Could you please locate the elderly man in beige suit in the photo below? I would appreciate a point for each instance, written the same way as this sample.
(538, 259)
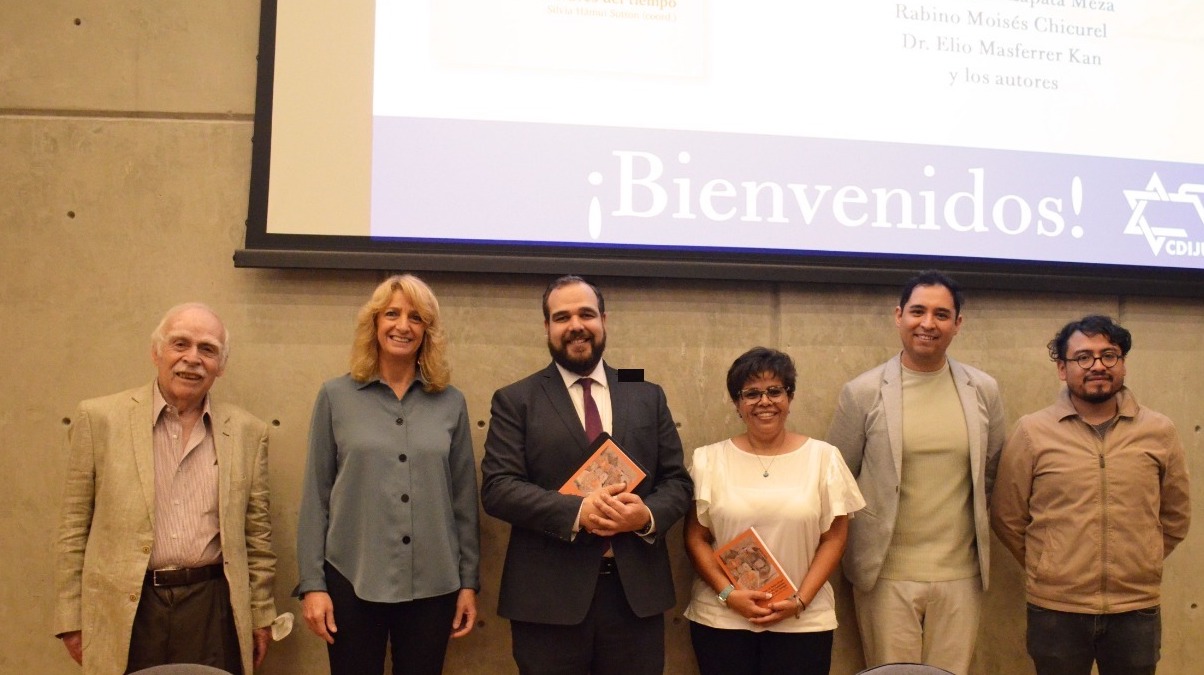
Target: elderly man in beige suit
(164, 547)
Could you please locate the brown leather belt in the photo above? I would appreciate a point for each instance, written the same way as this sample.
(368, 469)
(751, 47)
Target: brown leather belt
(183, 576)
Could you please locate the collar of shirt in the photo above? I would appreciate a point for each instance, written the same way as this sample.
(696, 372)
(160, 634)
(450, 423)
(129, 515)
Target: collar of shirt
(1126, 404)
(599, 391)
(598, 375)
(158, 403)
(375, 379)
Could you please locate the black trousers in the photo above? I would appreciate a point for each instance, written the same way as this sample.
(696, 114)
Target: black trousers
(417, 631)
(743, 652)
(611, 641)
(185, 624)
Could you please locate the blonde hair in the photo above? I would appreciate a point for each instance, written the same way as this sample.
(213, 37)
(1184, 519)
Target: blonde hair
(432, 353)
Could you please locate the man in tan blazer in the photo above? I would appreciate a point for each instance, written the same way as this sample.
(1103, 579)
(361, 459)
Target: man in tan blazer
(164, 547)
(922, 434)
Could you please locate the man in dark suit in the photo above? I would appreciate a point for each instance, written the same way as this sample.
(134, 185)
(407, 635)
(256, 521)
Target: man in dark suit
(586, 581)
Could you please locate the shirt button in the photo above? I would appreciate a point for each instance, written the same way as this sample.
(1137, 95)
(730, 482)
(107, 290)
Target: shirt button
(401, 457)
(133, 597)
(400, 421)
(405, 498)
(405, 540)
(146, 549)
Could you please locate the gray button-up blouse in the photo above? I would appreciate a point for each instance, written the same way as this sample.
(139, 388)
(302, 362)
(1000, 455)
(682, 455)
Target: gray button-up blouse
(390, 492)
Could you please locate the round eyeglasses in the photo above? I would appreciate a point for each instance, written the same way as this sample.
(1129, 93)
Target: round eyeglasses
(775, 394)
(1087, 361)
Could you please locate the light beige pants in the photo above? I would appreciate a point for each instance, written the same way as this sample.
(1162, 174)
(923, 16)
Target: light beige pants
(932, 622)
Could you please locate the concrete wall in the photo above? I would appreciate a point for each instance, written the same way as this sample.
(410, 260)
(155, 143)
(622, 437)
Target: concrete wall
(125, 141)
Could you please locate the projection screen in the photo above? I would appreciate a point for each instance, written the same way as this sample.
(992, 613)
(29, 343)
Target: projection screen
(1023, 139)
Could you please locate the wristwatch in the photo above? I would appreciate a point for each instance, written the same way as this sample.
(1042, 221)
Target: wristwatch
(725, 592)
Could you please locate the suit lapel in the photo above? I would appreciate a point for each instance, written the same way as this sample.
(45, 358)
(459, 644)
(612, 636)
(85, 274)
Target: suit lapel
(558, 396)
(620, 407)
(142, 433)
(223, 447)
(892, 402)
(969, 401)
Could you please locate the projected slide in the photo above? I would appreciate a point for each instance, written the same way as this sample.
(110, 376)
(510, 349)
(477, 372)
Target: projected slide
(1035, 130)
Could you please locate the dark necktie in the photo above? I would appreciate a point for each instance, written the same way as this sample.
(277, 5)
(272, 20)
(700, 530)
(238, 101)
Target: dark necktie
(593, 427)
(593, 420)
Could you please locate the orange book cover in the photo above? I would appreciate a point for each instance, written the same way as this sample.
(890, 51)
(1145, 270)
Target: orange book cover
(750, 565)
(607, 465)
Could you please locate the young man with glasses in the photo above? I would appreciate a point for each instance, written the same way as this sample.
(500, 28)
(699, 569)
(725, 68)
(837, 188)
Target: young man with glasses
(1092, 496)
(921, 433)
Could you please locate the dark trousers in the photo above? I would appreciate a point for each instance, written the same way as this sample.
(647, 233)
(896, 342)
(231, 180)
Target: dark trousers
(611, 640)
(744, 652)
(417, 631)
(1066, 643)
(185, 624)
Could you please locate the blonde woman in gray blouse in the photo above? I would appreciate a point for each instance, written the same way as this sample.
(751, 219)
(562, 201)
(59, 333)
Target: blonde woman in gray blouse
(387, 538)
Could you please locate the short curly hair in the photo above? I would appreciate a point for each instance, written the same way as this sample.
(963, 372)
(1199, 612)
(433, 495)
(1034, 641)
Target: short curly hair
(761, 361)
(1091, 325)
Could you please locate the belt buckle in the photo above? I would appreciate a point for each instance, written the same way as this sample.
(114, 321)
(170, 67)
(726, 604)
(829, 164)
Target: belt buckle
(155, 575)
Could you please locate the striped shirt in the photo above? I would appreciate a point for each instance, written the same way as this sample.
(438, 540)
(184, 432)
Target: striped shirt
(186, 524)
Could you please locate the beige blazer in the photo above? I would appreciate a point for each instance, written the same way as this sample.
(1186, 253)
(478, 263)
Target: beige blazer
(868, 429)
(105, 531)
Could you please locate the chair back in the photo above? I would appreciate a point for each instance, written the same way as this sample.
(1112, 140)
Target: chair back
(180, 669)
(904, 669)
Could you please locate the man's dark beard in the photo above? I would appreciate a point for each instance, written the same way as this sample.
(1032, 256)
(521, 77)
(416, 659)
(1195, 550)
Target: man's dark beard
(1102, 397)
(1097, 398)
(580, 367)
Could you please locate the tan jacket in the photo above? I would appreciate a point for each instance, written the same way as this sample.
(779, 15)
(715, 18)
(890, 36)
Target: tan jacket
(1092, 519)
(868, 429)
(105, 533)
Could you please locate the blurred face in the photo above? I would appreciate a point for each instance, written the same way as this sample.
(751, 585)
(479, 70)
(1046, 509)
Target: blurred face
(190, 358)
(926, 326)
(766, 415)
(576, 329)
(399, 330)
(1096, 384)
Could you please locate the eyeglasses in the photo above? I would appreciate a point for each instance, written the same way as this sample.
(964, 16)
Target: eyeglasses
(1087, 361)
(775, 394)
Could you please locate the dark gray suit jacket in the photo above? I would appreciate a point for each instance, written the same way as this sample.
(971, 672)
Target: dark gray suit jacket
(535, 443)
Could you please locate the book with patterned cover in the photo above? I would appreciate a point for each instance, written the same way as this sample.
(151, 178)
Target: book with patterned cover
(607, 465)
(750, 565)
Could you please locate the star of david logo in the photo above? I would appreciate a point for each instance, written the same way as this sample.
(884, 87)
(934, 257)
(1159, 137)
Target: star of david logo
(1189, 193)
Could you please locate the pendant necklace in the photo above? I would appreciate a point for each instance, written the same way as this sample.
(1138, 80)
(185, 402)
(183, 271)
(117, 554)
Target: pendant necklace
(764, 467)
